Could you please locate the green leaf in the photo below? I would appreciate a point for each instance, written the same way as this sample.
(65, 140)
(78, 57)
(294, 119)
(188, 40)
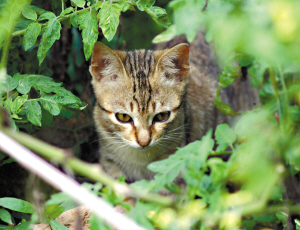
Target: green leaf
(31, 34)
(167, 170)
(257, 72)
(226, 80)
(57, 226)
(67, 11)
(79, 3)
(109, 19)
(18, 102)
(222, 106)
(54, 211)
(16, 205)
(88, 23)
(23, 226)
(159, 15)
(218, 169)
(140, 212)
(98, 5)
(58, 198)
(47, 118)
(47, 16)
(5, 216)
(142, 4)
(37, 9)
(29, 13)
(224, 136)
(167, 35)
(52, 103)
(33, 112)
(124, 5)
(96, 223)
(50, 35)
(9, 83)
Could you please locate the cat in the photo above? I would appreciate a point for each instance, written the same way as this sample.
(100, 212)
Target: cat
(148, 103)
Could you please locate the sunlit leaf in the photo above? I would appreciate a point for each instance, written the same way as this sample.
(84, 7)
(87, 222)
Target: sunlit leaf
(31, 34)
(49, 36)
(88, 23)
(33, 112)
(109, 19)
(16, 205)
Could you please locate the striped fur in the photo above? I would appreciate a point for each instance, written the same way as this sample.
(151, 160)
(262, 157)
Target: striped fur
(143, 84)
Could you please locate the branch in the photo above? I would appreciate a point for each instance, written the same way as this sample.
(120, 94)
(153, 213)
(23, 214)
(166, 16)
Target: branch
(92, 171)
(65, 183)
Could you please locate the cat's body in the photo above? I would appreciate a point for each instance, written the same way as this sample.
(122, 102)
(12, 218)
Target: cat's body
(148, 104)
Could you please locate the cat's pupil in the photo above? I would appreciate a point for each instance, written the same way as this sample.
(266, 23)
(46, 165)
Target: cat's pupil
(123, 117)
(164, 116)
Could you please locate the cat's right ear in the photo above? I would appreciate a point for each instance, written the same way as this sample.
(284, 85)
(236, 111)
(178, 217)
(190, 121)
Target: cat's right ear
(106, 64)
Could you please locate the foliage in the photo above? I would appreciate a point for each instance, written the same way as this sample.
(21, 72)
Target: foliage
(248, 190)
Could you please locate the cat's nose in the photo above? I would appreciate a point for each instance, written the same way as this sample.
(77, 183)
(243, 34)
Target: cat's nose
(143, 138)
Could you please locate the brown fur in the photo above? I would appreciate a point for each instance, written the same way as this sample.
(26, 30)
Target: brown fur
(143, 83)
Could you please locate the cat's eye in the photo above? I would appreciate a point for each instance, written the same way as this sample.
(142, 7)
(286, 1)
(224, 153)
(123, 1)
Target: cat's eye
(160, 117)
(123, 117)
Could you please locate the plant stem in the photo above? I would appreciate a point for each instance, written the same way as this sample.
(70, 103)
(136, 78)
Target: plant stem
(59, 18)
(92, 171)
(7, 43)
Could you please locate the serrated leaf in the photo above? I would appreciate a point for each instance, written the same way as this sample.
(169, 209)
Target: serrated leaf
(124, 5)
(47, 15)
(109, 19)
(5, 216)
(16, 205)
(74, 20)
(224, 135)
(33, 112)
(142, 4)
(57, 226)
(167, 170)
(159, 15)
(37, 9)
(9, 83)
(88, 23)
(18, 102)
(167, 35)
(31, 34)
(98, 5)
(52, 103)
(79, 3)
(67, 11)
(28, 13)
(50, 35)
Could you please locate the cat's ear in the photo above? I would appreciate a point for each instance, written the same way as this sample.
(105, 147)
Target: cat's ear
(173, 64)
(106, 64)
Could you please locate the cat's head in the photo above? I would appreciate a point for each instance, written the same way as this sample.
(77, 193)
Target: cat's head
(139, 93)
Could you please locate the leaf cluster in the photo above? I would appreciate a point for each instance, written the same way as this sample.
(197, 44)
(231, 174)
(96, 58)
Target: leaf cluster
(36, 99)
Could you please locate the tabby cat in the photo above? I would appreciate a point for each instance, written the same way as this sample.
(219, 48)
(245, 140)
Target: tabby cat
(149, 103)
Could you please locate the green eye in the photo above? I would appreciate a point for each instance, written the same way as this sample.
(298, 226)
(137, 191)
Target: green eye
(161, 117)
(123, 117)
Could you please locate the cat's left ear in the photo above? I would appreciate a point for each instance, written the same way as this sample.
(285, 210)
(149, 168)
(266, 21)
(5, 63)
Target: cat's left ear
(173, 64)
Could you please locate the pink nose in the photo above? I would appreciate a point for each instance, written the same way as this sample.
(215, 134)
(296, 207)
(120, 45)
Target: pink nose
(143, 143)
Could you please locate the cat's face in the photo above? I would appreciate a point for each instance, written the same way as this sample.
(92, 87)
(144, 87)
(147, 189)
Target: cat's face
(139, 93)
